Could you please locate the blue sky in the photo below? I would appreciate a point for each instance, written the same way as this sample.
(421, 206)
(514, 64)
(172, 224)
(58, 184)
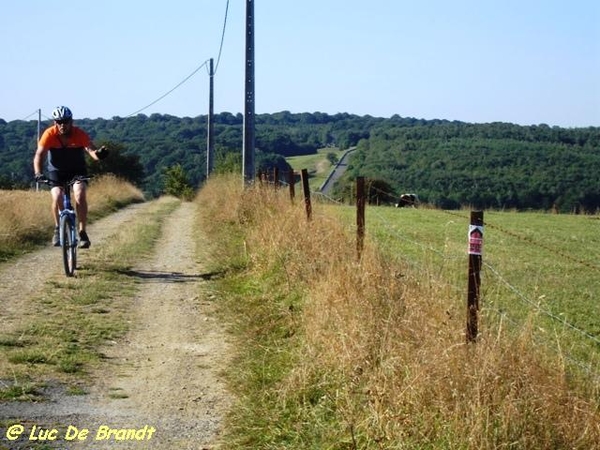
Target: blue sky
(519, 61)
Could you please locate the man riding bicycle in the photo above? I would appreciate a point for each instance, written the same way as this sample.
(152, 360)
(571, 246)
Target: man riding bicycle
(66, 145)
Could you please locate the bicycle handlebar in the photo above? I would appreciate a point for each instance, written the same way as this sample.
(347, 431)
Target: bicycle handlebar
(71, 182)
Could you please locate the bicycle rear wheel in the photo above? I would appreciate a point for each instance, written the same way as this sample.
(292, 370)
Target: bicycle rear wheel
(68, 243)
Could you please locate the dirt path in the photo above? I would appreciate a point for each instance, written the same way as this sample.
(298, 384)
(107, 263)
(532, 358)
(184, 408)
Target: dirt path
(20, 279)
(163, 378)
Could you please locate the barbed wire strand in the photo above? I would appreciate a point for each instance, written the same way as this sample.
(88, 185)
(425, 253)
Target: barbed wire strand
(394, 232)
(530, 241)
(513, 288)
(546, 342)
(519, 294)
(547, 313)
(563, 321)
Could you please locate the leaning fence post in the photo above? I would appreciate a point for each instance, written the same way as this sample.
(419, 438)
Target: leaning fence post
(291, 184)
(360, 215)
(475, 260)
(306, 190)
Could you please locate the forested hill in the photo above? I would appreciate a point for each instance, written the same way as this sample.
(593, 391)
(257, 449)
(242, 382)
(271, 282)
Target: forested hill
(495, 165)
(161, 141)
(446, 163)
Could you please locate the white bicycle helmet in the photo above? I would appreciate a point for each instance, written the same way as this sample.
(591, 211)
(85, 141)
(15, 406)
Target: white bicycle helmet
(62, 113)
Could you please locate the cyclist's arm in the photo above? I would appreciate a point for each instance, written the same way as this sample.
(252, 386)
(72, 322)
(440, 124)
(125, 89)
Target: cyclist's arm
(38, 158)
(92, 150)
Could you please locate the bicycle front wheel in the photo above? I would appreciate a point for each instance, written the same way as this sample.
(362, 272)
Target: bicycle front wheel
(68, 241)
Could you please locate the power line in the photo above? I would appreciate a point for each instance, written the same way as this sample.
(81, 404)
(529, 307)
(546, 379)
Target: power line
(181, 82)
(27, 117)
(222, 38)
(194, 72)
(164, 95)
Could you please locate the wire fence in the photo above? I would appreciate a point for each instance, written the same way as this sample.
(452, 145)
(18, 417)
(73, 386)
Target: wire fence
(508, 300)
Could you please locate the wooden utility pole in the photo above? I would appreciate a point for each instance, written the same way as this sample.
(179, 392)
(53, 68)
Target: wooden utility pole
(39, 135)
(210, 139)
(39, 126)
(475, 261)
(249, 134)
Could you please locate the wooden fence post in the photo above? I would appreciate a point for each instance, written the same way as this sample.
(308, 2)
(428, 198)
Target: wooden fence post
(292, 185)
(360, 215)
(475, 260)
(306, 190)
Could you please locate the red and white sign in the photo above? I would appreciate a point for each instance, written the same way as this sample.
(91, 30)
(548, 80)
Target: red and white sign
(475, 240)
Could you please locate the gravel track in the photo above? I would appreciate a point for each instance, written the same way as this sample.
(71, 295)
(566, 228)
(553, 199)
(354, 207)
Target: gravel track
(164, 378)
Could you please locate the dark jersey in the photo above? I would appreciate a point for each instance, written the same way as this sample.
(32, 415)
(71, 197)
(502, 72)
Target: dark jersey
(69, 157)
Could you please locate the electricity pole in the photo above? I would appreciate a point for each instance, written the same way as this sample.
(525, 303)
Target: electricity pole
(210, 140)
(249, 134)
(39, 125)
(39, 134)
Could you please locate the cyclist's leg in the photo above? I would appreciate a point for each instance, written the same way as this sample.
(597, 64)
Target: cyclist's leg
(81, 206)
(56, 191)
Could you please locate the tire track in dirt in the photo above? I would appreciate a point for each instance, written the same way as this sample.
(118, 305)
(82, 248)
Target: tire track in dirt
(166, 373)
(22, 278)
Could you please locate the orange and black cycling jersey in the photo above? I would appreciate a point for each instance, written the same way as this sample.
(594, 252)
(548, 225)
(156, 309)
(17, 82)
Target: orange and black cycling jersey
(69, 157)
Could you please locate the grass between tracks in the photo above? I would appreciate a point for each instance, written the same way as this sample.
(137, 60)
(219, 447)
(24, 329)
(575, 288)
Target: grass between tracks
(344, 354)
(60, 334)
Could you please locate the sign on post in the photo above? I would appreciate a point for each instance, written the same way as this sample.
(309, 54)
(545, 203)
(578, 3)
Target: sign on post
(475, 251)
(475, 240)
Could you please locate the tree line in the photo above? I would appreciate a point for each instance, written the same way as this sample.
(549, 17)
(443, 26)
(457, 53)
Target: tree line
(447, 163)
(144, 147)
(496, 165)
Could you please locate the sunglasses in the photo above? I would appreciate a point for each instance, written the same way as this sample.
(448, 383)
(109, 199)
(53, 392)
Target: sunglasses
(62, 122)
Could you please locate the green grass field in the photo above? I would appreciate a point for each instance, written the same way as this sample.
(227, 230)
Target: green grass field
(317, 165)
(536, 265)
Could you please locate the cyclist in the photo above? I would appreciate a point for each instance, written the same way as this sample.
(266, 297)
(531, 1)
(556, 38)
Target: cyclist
(66, 145)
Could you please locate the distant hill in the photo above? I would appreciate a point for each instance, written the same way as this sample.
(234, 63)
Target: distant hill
(496, 165)
(447, 163)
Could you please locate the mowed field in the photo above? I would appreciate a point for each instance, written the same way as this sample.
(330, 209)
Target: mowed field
(539, 269)
(317, 165)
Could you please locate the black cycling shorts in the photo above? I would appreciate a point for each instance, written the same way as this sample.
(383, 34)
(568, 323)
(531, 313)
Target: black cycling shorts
(60, 177)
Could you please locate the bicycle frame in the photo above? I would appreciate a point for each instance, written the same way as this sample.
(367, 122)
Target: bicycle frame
(68, 225)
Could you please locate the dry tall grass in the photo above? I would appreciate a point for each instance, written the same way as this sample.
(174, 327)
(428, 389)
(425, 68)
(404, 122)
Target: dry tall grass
(25, 217)
(383, 351)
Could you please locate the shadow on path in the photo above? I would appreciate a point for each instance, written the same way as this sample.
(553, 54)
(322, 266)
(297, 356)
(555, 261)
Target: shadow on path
(171, 277)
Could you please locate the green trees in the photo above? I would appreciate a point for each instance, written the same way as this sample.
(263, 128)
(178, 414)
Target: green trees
(228, 162)
(487, 166)
(119, 163)
(447, 163)
(332, 158)
(177, 184)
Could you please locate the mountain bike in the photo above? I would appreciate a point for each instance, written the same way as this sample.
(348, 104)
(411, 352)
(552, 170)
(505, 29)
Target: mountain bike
(68, 225)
